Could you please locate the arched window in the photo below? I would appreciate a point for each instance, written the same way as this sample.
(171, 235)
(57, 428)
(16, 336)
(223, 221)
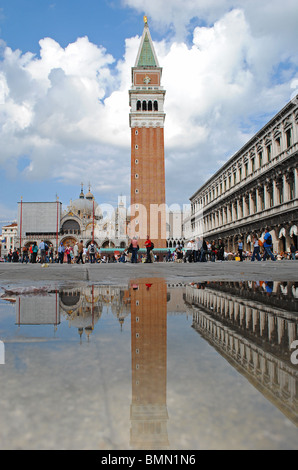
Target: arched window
(155, 105)
(71, 226)
(149, 105)
(139, 105)
(144, 107)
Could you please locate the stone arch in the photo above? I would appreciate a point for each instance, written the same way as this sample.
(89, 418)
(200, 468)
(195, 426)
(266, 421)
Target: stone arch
(108, 244)
(69, 240)
(71, 226)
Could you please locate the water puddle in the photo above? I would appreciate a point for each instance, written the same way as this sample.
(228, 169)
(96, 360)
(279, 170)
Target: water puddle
(149, 365)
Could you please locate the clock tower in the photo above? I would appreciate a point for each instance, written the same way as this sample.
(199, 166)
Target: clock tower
(146, 100)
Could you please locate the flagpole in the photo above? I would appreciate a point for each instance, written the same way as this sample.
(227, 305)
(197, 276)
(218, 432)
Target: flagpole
(93, 224)
(57, 199)
(21, 223)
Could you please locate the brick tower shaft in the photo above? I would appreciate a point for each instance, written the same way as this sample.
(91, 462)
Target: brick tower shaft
(148, 210)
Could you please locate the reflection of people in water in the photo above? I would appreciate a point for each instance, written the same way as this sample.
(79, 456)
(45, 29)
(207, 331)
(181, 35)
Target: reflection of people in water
(269, 287)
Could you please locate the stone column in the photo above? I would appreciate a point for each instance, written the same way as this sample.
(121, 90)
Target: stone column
(296, 182)
(275, 193)
(268, 188)
(252, 203)
(245, 211)
(285, 189)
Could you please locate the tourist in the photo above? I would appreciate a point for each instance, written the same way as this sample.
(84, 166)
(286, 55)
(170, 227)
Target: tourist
(91, 251)
(68, 254)
(134, 250)
(204, 249)
(61, 251)
(213, 251)
(267, 245)
(293, 251)
(75, 251)
(220, 250)
(189, 251)
(148, 246)
(85, 254)
(208, 250)
(240, 249)
(42, 248)
(25, 257)
(256, 252)
(80, 251)
(15, 256)
(51, 254)
(179, 253)
(34, 252)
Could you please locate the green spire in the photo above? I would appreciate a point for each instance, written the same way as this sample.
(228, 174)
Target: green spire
(147, 56)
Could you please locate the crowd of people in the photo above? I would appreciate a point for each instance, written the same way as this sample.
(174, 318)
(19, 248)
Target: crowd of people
(199, 250)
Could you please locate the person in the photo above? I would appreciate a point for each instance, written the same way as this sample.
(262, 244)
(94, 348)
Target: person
(68, 254)
(31, 252)
(220, 250)
(240, 249)
(293, 250)
(42, 248)
(35, 251)
(213, 251)
(148, 246)
(179, 252)
(204, 250)
(189, 251)
(80, 251)
(135, 249)
(91, 250)
(267, 245)
(25, 257)
(15, 256)
(9, 256)
(256, 252)
(75, 252)
(85, 254)
(51, 254)
(61, 251)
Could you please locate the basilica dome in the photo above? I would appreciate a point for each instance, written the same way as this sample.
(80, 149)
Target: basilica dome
(85, 205)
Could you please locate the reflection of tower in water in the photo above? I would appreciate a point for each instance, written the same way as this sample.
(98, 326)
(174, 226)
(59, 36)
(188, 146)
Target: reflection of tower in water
(149, 364)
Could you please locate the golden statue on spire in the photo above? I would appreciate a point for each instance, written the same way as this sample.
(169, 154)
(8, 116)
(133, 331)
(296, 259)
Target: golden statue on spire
(145, 19)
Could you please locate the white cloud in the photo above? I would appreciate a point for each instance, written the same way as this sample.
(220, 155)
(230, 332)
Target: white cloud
(67, 110)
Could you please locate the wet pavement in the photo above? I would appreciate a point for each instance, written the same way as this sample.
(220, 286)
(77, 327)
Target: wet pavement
(117, 273)
(149, 362)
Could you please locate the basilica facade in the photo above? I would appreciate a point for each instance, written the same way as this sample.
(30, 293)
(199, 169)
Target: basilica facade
(83, 219)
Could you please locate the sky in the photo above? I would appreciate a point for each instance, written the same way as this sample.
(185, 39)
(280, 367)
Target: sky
(65, 70)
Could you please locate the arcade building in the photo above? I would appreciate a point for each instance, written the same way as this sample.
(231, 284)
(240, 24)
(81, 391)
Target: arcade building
(256, 189)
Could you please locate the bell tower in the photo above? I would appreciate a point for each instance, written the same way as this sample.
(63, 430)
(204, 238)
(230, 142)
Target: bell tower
(147, 117)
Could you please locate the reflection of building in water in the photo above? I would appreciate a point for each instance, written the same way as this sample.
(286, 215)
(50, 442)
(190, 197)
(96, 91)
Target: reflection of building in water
(176, 299)
(81, 306)
(149, 364)
(254, 337)
(38, 309)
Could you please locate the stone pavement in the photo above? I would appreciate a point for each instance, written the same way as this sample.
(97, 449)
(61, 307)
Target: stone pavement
(120, 274)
